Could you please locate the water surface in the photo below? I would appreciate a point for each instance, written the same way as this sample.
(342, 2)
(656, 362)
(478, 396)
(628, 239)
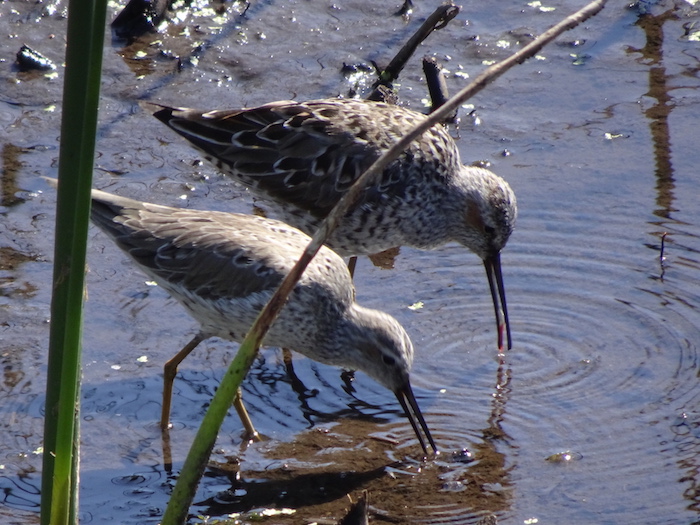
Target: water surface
(592, 417)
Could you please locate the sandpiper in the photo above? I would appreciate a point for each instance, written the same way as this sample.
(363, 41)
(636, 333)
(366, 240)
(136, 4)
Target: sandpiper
(224, 267)
(304, 155)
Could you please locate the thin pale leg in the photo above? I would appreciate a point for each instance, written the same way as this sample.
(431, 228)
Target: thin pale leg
(251, 433)
(352, 262)
(169, 373)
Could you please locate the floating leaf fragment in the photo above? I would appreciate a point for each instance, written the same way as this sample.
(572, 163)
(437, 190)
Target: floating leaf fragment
(564, 457)
(611, 136)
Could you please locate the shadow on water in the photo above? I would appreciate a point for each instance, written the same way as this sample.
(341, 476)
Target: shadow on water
(685, 427)
(658, 114)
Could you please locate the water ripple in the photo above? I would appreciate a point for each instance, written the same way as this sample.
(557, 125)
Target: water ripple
(604, 365)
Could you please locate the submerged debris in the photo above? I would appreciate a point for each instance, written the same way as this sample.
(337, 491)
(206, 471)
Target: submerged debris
(358, 513)
(139, 17)
(405, 11)
(28, 60)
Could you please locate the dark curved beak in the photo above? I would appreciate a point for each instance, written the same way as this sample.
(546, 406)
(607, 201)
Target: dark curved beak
(407, 400)
(498, 296)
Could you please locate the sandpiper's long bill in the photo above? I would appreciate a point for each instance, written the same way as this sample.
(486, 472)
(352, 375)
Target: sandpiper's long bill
(498, 296)
(304, 156)
(410, 406)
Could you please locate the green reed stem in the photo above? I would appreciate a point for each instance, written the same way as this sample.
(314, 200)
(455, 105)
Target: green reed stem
(198, 456)
(81, 90)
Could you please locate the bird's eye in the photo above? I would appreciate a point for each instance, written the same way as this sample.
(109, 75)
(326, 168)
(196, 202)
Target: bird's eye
(490, 231)
(388, 360)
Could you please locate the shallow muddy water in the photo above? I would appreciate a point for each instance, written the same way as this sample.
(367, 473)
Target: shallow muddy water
(592, 417)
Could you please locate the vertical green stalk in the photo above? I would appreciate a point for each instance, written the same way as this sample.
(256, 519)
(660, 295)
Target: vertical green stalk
(81, 90)
(198, 456)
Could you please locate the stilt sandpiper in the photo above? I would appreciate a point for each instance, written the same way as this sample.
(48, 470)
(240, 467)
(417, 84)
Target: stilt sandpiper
(304, 156)
(224, 267)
